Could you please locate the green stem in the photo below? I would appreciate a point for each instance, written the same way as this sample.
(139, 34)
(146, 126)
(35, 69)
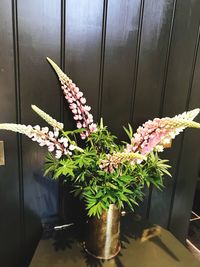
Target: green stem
(72, 142)
(66, 136)
(91, 142)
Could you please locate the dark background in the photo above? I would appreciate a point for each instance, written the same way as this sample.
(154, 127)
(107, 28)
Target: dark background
(134, 60)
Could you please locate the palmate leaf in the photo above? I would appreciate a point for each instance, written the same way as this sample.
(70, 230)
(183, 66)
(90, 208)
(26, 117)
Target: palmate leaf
(128, 191)
(80, 177)
(147, 183)
(126, 179)
(66, 168)
(96, 210)
(123, 197)
(166, 172)
(90, 204)
(132, 200)
(51, 164)
(48, 169)
(77, 191)
(108, 199)
(103, 140)
(85, 159)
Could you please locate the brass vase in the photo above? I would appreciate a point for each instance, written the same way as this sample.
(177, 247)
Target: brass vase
(102, 240)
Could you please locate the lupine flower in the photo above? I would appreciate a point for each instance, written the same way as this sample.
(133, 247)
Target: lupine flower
(160, 132)
(77, 103)
(112, 162)
(55, 124)
(156, 134)
(42, 136)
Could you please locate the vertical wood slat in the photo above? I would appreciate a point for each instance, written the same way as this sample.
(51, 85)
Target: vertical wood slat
(102, 59)
(136, 64)
(167, 58)
(120, 55)
(10, 190)
(142, 208)
(155, 207)
(151, 67)
(178, 78)
(39, 37)
(184, 188)
(83, 33)
(176, 89)
(18, 119)
(83, 47)
(62, 50)
(62, 66)
(153, 49)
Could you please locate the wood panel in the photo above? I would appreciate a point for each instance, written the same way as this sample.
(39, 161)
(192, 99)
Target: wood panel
(82, 33)
(84, 20)
(154, 46)
(179, 67)
(39, 36)
(152, 58)
(188, 171)
(134, 60)
(119, 63)
(10, 207)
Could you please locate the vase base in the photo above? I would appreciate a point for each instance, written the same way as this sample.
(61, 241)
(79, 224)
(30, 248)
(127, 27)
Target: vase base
(101, 257)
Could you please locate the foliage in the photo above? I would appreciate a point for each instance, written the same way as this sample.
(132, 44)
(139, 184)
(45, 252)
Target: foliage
(103, 171)
(97, 188)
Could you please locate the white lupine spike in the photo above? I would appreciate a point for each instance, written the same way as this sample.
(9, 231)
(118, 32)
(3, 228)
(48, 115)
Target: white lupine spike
(32, 132)
(47, 118)
(19, 128)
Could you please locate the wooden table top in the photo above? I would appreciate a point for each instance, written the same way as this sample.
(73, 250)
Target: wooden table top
(143, 245)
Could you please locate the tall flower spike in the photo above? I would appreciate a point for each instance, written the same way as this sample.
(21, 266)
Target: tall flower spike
(159, 132)
(19, 128)
(76, 101)
(188, 115)
(62, 76)
(47, 118)
(42, 136)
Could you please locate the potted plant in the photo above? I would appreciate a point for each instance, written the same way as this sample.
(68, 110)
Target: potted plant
(105, 174)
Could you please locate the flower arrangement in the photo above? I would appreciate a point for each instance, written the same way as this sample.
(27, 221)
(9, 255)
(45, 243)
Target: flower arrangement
(102, 170)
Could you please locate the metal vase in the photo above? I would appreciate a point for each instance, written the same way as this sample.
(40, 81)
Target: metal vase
(103, 234)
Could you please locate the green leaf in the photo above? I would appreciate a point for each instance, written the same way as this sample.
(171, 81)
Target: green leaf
(129, 131)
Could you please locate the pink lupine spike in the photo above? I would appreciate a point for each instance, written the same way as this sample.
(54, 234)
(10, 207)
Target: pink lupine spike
(59, 72)
(160, 132)
(76, 101)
